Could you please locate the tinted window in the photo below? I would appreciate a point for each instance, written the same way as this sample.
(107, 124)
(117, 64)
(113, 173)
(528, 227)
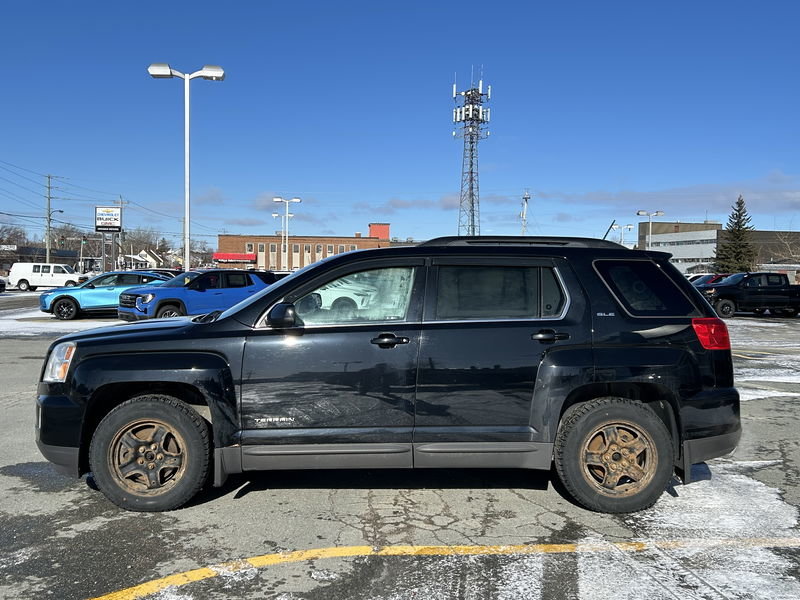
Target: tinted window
(553, 298)
(45, 268)
(643, 288)
(236, 280)
(37, 269)
(774, 280)
(487, 292)
(149, 278)
(208, 281)
(366, 296)
(265, 276)
(129, 279)
(182, 280)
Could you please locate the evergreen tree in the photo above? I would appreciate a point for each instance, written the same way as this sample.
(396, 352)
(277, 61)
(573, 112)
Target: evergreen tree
(735, 251)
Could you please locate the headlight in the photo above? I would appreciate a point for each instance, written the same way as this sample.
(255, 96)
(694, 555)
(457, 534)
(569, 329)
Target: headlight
(148, 298)
(58, 363)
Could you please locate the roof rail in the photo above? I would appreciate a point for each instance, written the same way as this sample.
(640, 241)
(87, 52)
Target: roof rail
(517, 240)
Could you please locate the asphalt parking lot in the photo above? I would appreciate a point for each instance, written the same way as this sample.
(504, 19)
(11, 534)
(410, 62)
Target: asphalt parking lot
(403, 535)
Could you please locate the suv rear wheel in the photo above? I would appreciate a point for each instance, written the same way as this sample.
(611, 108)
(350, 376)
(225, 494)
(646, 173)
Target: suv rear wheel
(65, 309)
(23, 285)
(725, 308)
(150, 453)
(614, 455)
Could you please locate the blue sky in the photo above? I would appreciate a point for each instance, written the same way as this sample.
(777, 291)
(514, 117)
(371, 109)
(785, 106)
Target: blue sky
(599, 109)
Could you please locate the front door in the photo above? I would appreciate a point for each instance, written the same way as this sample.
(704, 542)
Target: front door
(338, 388)
(487, 329)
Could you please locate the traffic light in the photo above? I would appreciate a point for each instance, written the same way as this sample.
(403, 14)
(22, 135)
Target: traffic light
(61, 241)
(83, 240)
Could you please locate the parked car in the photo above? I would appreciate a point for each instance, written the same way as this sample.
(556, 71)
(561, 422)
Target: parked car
(708, 279)
(29, 276)
(756, 292)
(98, 295)
(163, 271)
(467, 352)
(2, 284)
(193, 293)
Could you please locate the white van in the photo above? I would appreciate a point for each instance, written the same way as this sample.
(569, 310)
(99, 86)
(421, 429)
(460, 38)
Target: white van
(29, 276)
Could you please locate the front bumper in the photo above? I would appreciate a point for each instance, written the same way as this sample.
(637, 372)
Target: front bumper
(131, 315)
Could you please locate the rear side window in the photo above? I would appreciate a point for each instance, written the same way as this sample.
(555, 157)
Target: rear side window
(644, 289)
(37, 269)
(497, 292)
(236, 280)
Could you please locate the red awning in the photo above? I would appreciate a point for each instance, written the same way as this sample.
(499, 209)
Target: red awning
(234, 257)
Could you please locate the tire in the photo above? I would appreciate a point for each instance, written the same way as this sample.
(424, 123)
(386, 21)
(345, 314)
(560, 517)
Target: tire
(614, 455)
(23, 285)
(151, 453)
(70, 284)
(725, 308)
(169, 310)
(344, 308)
(65, 309)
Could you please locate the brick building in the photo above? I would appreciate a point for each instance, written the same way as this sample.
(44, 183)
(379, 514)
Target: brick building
(265, 251)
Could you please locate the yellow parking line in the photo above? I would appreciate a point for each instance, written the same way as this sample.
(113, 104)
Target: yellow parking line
(180, 579)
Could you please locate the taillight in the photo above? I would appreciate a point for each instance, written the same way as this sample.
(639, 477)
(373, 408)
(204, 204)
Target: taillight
(712, 333)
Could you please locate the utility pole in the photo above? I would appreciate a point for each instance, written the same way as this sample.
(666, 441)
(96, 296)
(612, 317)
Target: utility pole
(524, 214)
(47, 229)
(474, 118)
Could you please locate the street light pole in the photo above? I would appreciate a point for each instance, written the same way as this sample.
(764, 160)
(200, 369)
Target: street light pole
(649, 215)
(285, 243)
(164, 71)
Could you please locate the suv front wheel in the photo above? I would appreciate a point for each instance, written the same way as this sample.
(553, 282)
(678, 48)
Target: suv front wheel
(614, 455)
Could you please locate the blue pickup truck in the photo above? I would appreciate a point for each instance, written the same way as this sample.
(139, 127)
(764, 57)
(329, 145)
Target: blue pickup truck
(193, 293)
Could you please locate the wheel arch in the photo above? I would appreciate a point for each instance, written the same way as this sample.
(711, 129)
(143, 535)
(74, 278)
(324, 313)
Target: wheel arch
(68, 297)
(656, 397)
(172, 302)
(202, 380)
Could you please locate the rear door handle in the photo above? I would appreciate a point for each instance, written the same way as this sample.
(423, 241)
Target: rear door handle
(549, 335)
(388, 340)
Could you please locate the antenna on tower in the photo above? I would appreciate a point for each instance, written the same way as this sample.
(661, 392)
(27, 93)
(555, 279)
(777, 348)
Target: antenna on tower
(523, 215)
(473, 118)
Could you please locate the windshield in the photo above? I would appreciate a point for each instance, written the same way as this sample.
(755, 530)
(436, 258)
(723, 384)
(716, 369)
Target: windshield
(703, 279)
(68, 269)
(182, 280)
(735, 278)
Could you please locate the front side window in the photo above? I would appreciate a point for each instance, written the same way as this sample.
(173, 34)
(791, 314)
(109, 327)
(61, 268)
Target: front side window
(209, 281)
(644, 289)
(495, 292)
(104, 281)
(58, 269)
(363, 297)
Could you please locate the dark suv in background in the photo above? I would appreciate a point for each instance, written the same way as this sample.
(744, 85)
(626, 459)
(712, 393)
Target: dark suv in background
(456, 353)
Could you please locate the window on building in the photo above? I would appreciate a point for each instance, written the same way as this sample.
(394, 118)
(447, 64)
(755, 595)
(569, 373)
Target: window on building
(330, 249)
(319, 249)
(307, 248)
(341, 248)
(296, 248)
(248, 247)
(261, 247)
(353, 247)
(273, 247)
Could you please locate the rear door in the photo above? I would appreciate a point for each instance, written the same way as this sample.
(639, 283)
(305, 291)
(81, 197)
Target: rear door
(488, 326)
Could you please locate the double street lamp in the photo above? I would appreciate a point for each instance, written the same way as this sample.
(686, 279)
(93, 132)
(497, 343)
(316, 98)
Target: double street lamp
(285, 232)
(164, 71)
(649, 215)
(622, 229)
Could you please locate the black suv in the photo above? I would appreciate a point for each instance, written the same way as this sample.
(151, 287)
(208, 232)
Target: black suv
(456, 353)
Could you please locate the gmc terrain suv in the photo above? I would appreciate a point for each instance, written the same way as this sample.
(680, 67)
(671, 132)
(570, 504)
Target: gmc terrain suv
(456, 353)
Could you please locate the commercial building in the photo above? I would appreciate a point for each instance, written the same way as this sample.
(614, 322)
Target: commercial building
(267, 251)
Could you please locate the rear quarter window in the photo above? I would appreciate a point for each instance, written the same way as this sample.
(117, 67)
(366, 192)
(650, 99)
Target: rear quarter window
(643, 289)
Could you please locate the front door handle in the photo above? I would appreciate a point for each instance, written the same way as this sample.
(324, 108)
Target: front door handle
(388, 340)
(549, 335)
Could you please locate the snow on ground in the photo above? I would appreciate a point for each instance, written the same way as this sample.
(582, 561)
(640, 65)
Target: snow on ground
(30, 322)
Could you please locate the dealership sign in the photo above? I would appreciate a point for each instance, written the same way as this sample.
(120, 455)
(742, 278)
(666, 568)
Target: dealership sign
(108, 218)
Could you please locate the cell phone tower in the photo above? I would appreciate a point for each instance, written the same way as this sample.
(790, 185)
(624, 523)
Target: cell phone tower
(474, 117)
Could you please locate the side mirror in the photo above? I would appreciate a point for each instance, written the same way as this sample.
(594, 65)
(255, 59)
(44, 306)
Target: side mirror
(282, 316)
